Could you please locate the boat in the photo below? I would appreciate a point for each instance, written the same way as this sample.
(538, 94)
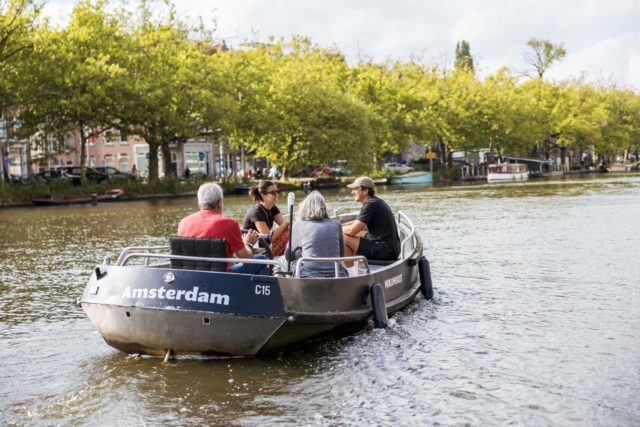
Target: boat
(617, 167)
(242, 189)
(500, 172)
(152, 302)
(108, 196)
(322, 183)
(412, 178)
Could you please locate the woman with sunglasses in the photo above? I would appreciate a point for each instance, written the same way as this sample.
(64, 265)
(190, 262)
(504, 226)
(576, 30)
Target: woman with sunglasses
(264, 213)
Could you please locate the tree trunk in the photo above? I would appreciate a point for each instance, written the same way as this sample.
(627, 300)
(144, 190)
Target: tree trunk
(563, 160)
(166, 159)
(444, 151)
(83, 155)
(4, 167)
(28, 160)
(153, 159)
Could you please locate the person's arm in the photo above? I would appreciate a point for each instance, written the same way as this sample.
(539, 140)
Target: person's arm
(353, 228)
(262, 227)
(283, 225)
(249, 240)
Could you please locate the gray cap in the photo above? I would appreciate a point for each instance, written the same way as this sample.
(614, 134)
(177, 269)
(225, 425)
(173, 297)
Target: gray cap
(362, 181)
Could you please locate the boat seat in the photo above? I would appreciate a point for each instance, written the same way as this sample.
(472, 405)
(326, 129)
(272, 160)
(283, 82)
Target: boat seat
(198, 246)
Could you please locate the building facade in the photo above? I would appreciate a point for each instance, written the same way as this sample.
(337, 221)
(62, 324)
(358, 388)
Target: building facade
(197, 157)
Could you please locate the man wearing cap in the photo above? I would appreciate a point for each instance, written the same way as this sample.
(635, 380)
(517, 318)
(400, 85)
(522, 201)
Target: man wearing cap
(382, 242)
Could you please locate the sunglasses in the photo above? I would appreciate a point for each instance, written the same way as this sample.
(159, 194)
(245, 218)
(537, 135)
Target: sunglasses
(274, 192)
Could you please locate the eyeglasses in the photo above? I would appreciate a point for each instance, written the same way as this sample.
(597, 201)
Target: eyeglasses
(274, 192)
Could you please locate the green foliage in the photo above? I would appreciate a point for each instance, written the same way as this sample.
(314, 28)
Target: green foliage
(464, 60)
(542, 54)
(301, 105)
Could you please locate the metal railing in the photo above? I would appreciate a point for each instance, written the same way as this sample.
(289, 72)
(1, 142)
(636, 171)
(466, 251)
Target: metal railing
(336, 260)
(148, 250)
(409, 231)
(122, 260)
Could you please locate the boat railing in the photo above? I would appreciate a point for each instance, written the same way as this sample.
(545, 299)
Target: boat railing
(409, 240)
(336, 261)
(147, 249)
(124, 259)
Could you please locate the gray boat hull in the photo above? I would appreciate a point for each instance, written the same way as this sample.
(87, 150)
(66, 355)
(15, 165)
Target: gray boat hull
(153, 310)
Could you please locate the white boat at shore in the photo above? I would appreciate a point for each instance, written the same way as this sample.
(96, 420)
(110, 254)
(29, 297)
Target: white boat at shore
(504, 172)
(412, 178)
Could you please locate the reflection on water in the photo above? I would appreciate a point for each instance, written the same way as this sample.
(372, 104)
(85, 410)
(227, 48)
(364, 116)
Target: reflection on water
(534, 321)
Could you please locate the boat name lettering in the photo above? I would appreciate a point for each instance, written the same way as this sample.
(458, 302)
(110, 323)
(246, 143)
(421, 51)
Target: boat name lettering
(175, 294)
(393, 281)
(263, 290)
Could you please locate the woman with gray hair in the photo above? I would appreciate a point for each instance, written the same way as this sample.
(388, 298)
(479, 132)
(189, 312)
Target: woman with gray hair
(315, 235)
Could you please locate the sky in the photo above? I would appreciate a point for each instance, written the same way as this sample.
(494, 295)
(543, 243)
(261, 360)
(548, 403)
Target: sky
(602, 37)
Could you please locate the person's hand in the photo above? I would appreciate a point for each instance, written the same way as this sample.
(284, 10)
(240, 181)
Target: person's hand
(251, 237)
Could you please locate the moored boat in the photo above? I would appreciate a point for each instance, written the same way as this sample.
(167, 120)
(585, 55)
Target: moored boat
(507, 172)
(322, 183)
(412, 178)
(152, 302)
(52, 200)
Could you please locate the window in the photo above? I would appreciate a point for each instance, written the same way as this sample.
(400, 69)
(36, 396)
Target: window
(123, 163)
(69, 143)
(124, 137)
(92, 161)
(108, 160)
(108, 137)
(52, 143)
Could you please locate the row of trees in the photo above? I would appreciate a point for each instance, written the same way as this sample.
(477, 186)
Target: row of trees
(154, 75)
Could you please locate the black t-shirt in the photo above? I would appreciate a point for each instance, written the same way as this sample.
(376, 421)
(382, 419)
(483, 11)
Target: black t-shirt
(259, 213)
(380, 222)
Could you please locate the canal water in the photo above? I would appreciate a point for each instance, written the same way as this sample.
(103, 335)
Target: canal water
(535, 321)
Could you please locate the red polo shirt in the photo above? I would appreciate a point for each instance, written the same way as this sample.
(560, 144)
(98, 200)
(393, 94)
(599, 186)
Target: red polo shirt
(206, 223)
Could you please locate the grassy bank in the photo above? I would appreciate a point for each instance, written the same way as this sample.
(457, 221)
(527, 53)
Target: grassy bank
(21, 194)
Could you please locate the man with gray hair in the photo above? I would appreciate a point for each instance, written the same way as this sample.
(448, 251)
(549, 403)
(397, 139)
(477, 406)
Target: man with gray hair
(209, 222)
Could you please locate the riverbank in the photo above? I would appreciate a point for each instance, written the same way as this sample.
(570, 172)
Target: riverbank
(20, 195)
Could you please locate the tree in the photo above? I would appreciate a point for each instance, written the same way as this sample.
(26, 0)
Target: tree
(464, 60)
(163, 82)
(17, 23)
(543, 54)
(73, 81)
(392, 93)
(302, 114)
(621, 129)
(17, 20)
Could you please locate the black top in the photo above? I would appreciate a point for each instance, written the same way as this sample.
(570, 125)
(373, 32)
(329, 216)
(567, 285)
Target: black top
(381, 224)
(259, 213)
